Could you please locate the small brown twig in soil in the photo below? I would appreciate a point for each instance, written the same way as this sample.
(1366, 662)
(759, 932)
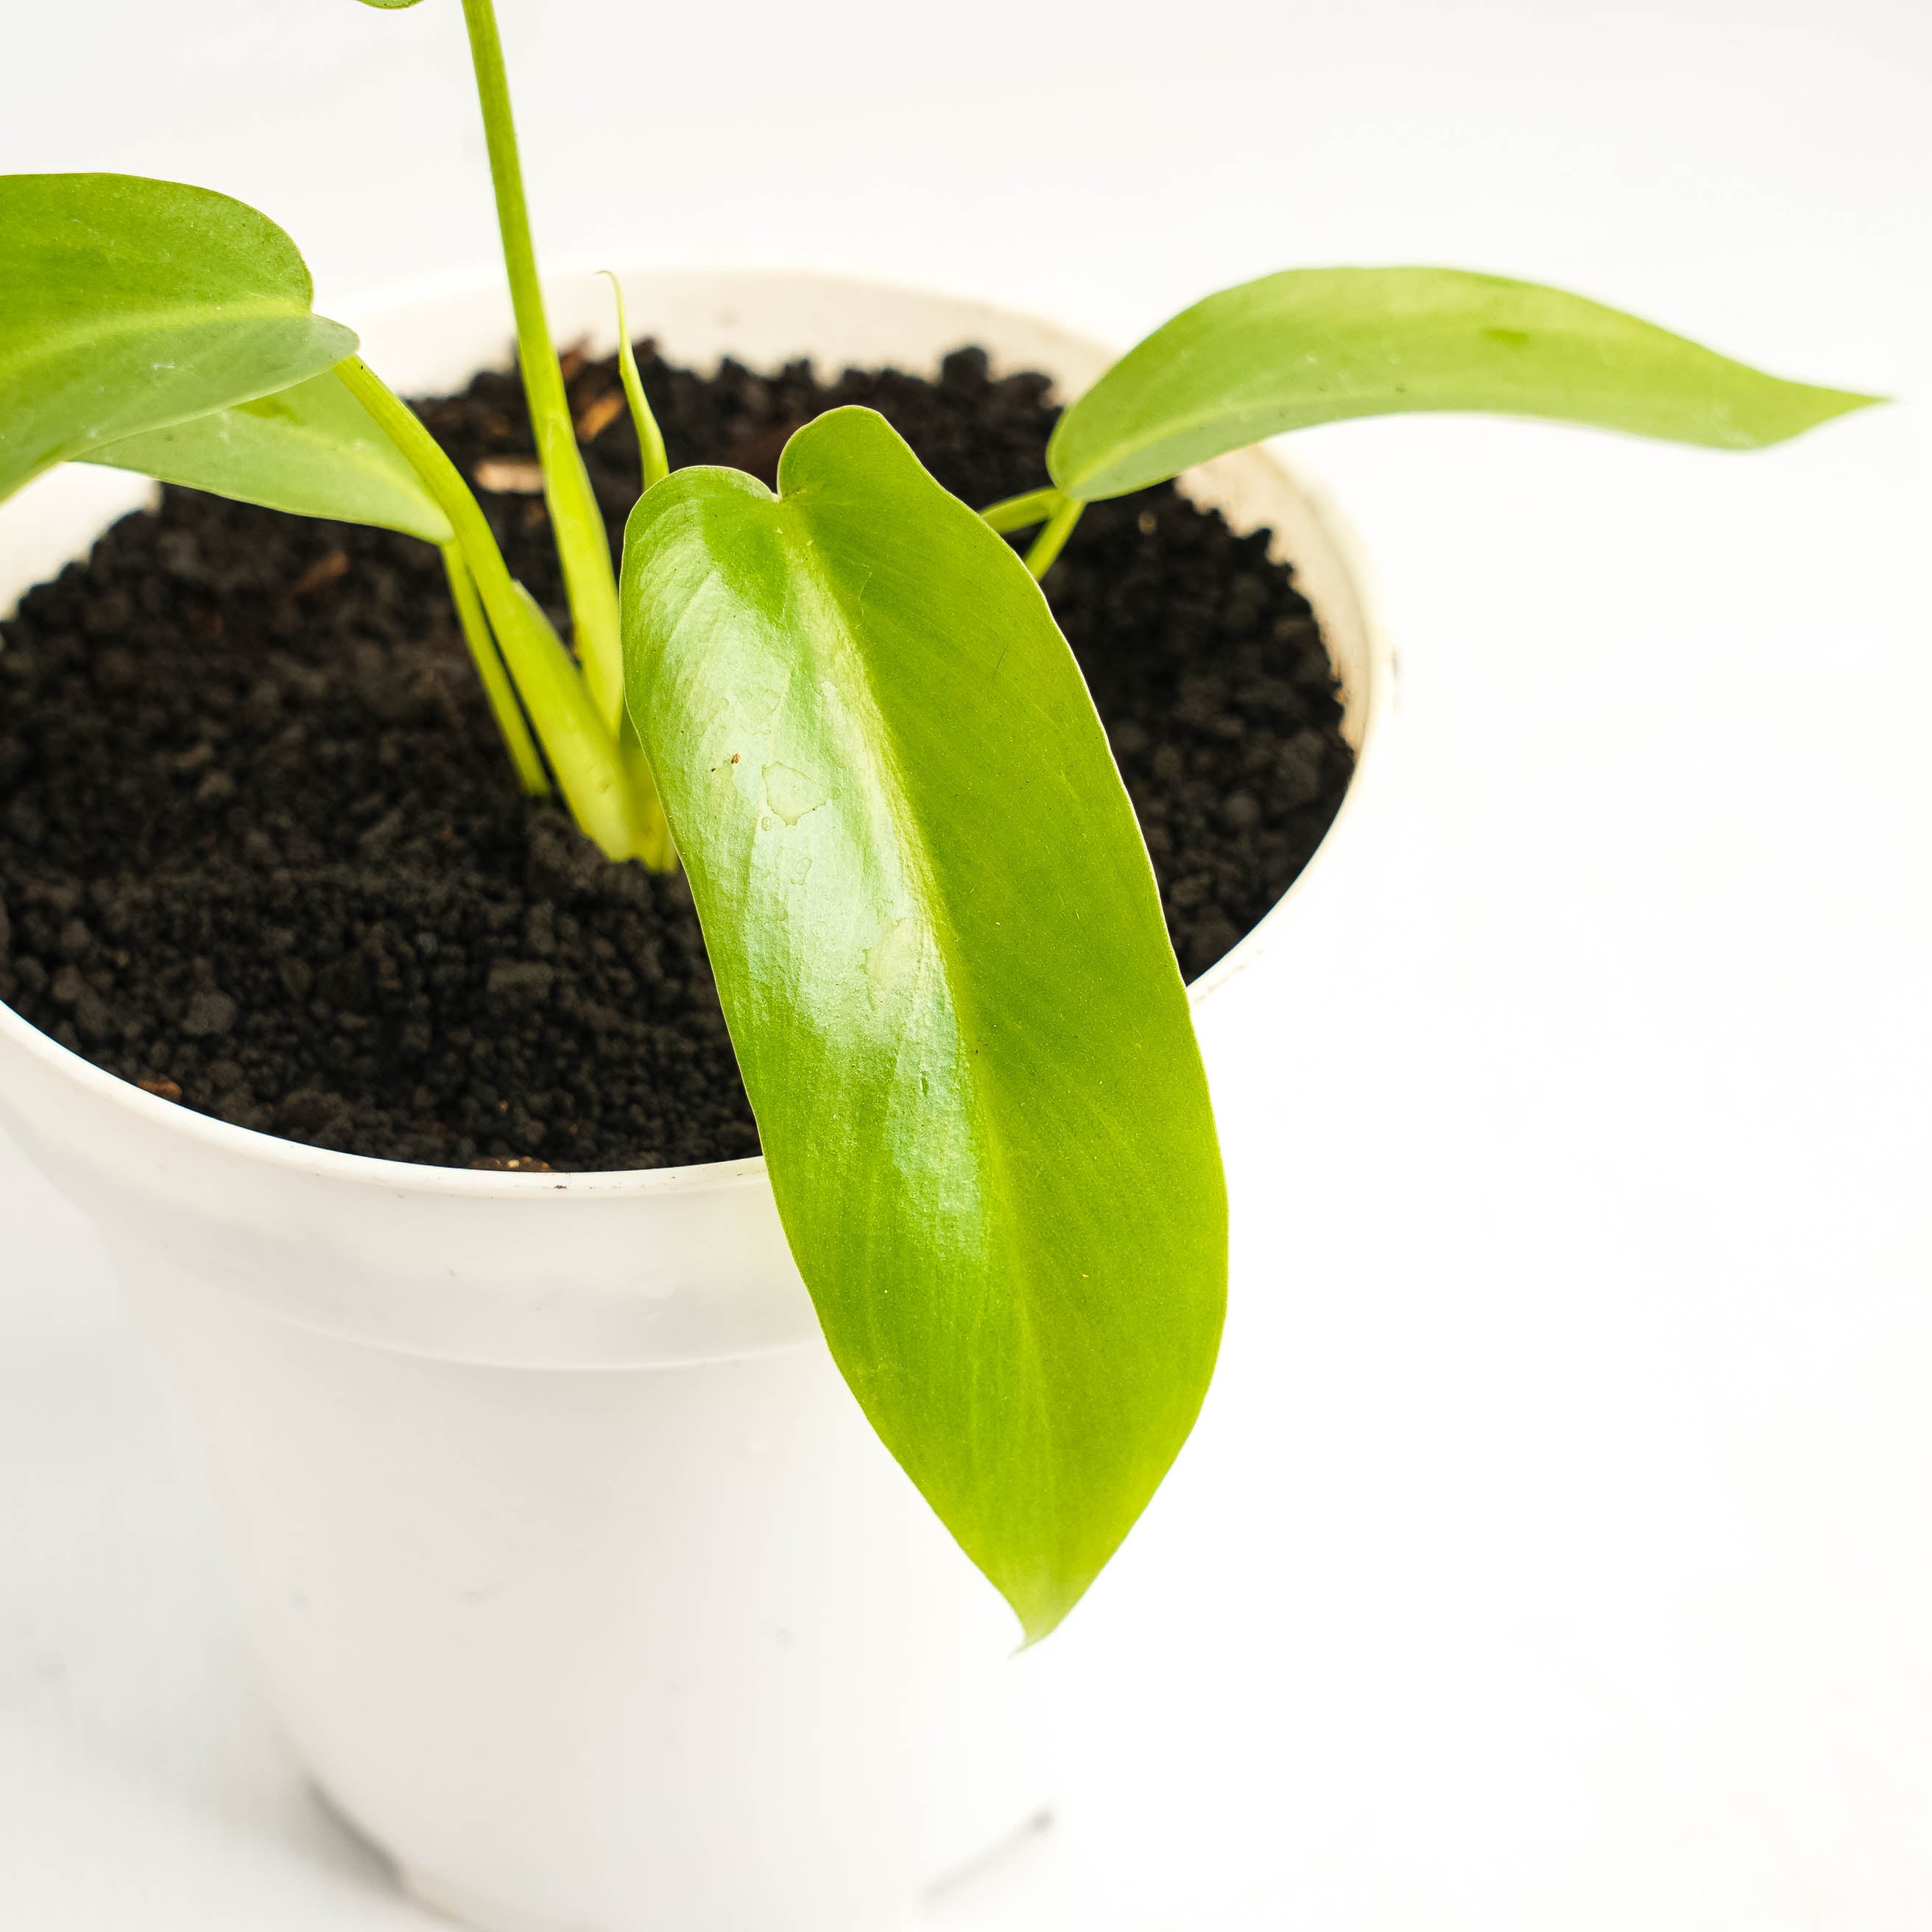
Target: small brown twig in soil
(325, 569)
(600, 415)
(511, 475)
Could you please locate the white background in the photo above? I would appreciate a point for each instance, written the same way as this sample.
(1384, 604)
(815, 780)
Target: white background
(1556, 1551)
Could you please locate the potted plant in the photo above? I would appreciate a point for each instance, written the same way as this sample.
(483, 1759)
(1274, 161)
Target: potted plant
(672, 1643)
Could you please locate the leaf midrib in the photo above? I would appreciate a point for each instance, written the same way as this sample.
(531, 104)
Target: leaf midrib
(991, 1159)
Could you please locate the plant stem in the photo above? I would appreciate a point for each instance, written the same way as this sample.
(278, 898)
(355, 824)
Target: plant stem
(1048, 544)
(656, 465)
(583, 547)
(626, 819)
(656, 848)
(1018, 513)
(489, 663)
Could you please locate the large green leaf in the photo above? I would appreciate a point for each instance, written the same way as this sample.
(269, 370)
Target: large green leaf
(128, 304)
(1317, 345)
(312, 449)
(941, 954)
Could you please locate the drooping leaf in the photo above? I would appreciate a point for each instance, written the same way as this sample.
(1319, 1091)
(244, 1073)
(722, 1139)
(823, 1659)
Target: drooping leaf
(1317, 345)
(313, 450)
(942, 958)
(128, 304)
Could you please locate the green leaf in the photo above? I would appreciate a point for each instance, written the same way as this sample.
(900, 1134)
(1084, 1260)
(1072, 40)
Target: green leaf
(313, 450)
(131, 304)
(942, 958)
(1318, 345)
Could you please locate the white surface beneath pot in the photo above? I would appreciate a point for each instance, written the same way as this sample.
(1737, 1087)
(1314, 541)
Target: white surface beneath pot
(1556, 1551)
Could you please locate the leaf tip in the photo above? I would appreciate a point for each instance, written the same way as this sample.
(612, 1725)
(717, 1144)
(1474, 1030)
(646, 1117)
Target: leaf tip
(1044, 1590)
(1846, 402)
(1037, 1627)
(1804, 407)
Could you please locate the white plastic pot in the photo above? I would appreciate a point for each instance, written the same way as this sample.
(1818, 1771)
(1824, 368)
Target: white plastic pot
(580, 1583)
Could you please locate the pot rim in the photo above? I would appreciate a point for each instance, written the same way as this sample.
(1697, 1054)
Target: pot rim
(410, 1177)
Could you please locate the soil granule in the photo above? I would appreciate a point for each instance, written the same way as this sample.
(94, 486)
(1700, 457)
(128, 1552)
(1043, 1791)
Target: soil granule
(261, 850)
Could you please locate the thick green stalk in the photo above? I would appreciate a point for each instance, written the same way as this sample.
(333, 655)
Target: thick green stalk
(583, 547)
(489, 663)
(623, 816)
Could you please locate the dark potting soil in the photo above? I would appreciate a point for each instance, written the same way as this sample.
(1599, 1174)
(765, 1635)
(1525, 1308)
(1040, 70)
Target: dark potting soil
(261, 850)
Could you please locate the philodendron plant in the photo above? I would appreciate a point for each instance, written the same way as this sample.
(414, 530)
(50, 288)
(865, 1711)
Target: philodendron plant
(846, 707)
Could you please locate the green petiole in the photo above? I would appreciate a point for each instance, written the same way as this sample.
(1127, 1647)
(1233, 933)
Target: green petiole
(489, 663)
(624, 817)
(1049, 544)
(1054, 508)
(1020, 513)
(583, 547)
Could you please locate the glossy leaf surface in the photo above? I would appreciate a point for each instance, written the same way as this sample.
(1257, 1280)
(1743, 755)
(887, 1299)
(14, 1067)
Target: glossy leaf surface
(129, 305)
(942, 957)
(313, 450)
(1318, 345)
